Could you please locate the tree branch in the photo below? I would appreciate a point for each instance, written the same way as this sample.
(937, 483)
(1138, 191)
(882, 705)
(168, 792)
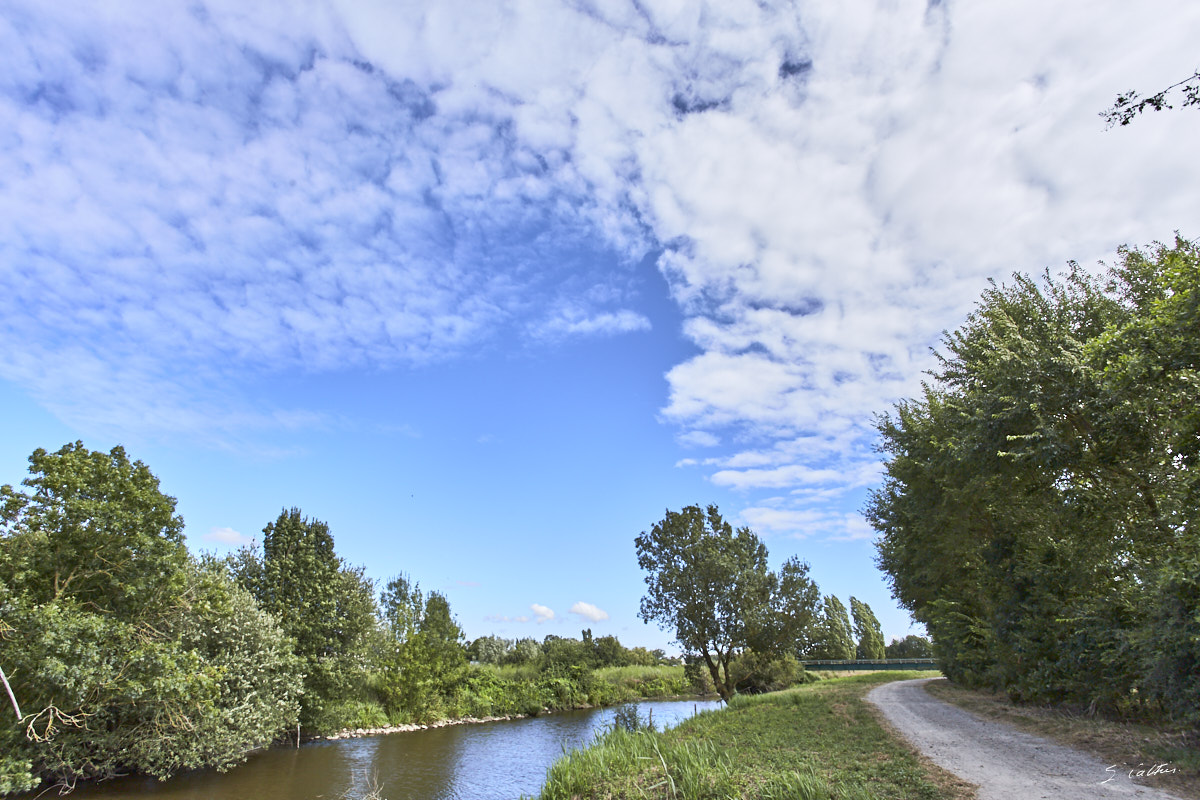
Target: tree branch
(1129, 106)
(12, 697)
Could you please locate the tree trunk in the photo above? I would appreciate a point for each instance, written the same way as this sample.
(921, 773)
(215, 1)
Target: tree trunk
(11, 696)
(722, 686)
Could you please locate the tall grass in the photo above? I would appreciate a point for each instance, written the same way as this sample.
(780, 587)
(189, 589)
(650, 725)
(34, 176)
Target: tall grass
(814, 742)
(648, 762)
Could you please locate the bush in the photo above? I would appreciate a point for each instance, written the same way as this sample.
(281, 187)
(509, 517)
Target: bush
(753, 673)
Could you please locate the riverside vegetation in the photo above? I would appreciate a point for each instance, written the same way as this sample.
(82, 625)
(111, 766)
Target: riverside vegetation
(124, 653)
(1041, 503)
(818, 741)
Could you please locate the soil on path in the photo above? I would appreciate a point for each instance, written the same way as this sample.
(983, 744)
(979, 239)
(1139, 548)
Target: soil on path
(1005, 763)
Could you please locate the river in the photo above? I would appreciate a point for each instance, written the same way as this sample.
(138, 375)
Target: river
(487, 761)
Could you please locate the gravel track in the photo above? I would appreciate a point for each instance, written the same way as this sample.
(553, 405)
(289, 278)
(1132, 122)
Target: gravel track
(1006, 764)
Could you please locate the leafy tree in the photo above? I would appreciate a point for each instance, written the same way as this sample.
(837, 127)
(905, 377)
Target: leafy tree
(558, 651)
(442, 639)
(425, 655)
(831, 634)
(1039, 509)
(327, 607)
(610, 652)
(786, 624)
(524, 651)
(255, 678)
(641, 657)
(911, 646)
(712, 586)
(866, 628)
(125, 653)
(489, 649)
(94, 527)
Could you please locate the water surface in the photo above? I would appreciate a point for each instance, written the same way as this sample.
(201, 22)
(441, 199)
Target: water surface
(488, 761)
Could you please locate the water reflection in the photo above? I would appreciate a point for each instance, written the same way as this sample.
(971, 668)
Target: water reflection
(494, 761)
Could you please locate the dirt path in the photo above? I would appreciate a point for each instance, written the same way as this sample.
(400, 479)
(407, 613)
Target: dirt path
(1006, 764)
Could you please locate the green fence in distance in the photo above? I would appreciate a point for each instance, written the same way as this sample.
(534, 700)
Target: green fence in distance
(856, 665)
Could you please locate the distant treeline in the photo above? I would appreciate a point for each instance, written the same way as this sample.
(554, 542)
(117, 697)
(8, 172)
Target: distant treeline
(1039, 512)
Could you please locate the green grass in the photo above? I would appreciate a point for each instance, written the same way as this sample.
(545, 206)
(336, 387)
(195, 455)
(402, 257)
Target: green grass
(815, 742)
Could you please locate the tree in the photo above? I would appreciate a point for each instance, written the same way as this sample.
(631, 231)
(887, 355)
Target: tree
(786, 625)
(425, 651)
(94, 527)
(524, 651)
(866, 628)
(1039, 507)
(911, 646)
(327, 607)
(127, 655)
(831, 636)
(611, 653)
(489, 649)
(1128, 105)
(712, 587)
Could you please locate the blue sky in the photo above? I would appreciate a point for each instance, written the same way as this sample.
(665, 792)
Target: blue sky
(490, 286)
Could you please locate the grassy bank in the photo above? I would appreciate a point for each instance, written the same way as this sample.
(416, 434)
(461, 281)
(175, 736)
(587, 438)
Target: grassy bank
(812, 742)
(1127, 745)
(490, 691)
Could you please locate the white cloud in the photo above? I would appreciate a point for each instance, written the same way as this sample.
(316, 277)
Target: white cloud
(829, 184)
(573, 321)
(589, 611)
(811, 523)
(698, 439)
(226, 536)
(542, 613)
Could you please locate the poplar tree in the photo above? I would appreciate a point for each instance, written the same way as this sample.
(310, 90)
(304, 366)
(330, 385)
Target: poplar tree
(866, 628)
(831, 638)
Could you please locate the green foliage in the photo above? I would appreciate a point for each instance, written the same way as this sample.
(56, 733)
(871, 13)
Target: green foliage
(754, 673)
(628, 718)
(489, 649)
(423, 657)
(866, 628)
(911, 646)
(1039, 509)
(326, 607)
(126, 654)
(711, 586)
(831, 636)
(524, 651)
(93, 527)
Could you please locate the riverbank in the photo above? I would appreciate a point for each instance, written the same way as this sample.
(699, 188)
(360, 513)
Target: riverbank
(820, 740)
(493, 694)
(358, 733)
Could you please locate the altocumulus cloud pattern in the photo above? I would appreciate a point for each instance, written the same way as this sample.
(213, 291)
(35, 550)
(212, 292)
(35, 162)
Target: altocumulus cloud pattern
(193, 194)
